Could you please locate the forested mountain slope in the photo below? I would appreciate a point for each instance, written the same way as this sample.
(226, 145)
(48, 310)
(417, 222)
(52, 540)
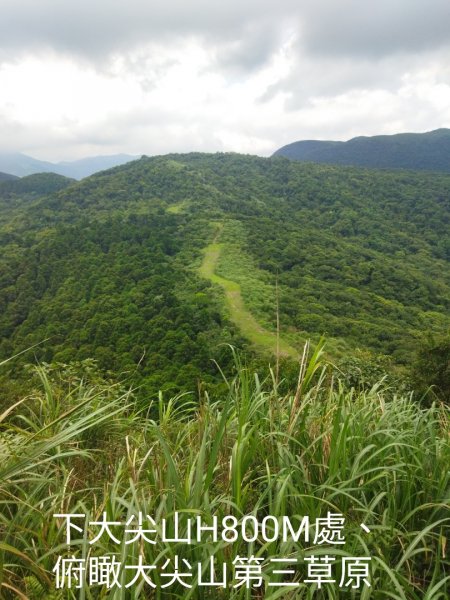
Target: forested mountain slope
(422, 151)
(110, 267)
(39, 184)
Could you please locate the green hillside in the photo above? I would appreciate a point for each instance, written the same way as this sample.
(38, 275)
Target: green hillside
(125, 266)
(422, 151)
(37, 185)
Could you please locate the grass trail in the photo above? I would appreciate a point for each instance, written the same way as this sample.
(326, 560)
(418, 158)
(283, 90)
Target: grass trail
(243, 318)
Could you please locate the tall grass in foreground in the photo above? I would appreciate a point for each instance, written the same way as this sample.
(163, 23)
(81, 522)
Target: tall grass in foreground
(79, 447)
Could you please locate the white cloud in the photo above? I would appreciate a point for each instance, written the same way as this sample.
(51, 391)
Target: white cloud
(97, 78)
(176, 102)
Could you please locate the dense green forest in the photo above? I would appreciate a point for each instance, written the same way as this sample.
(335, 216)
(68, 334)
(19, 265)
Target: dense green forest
(110, 268)
(33, 185)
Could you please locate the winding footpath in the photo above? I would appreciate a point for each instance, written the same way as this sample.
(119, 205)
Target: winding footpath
(243, 318)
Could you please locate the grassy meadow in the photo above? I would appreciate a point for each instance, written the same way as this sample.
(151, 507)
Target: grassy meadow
(258, 335)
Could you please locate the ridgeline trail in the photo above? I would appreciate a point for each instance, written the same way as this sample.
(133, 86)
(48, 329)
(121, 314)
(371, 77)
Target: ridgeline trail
(243, 318)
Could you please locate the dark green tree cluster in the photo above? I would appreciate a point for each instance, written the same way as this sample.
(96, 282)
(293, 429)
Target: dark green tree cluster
(116, 291)
(431, 369)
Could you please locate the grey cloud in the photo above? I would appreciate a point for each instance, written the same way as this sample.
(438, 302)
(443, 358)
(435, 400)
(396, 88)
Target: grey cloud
(331, 76)
(35, 140)
(353, 45)
(97, 28)
(142, 131)
(14, 136)
(252, 50)
(373, 29)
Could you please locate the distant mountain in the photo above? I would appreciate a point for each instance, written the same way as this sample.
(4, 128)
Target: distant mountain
(7, 177)
(20, 165)
(88, 166)
(423, 151)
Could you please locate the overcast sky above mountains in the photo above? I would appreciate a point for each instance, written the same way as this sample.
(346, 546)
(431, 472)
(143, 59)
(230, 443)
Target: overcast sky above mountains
(143, 76)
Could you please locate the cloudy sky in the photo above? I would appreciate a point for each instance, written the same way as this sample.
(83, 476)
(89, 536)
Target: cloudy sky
(156, 76)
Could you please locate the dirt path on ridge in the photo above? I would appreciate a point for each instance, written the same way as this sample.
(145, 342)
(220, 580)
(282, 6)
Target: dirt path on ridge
(242, 317)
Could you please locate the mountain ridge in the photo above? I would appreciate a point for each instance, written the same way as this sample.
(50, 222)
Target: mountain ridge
(38, 184)
(429, 151)
(7, 177)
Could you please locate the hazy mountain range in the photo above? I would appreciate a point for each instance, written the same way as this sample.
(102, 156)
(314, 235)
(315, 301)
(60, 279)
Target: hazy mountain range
(7, 177)
(20, 165)
(418, 151)
(421, 151)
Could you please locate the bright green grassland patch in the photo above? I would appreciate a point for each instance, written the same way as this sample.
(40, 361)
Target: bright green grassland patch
(242, 317)
(178, 208)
